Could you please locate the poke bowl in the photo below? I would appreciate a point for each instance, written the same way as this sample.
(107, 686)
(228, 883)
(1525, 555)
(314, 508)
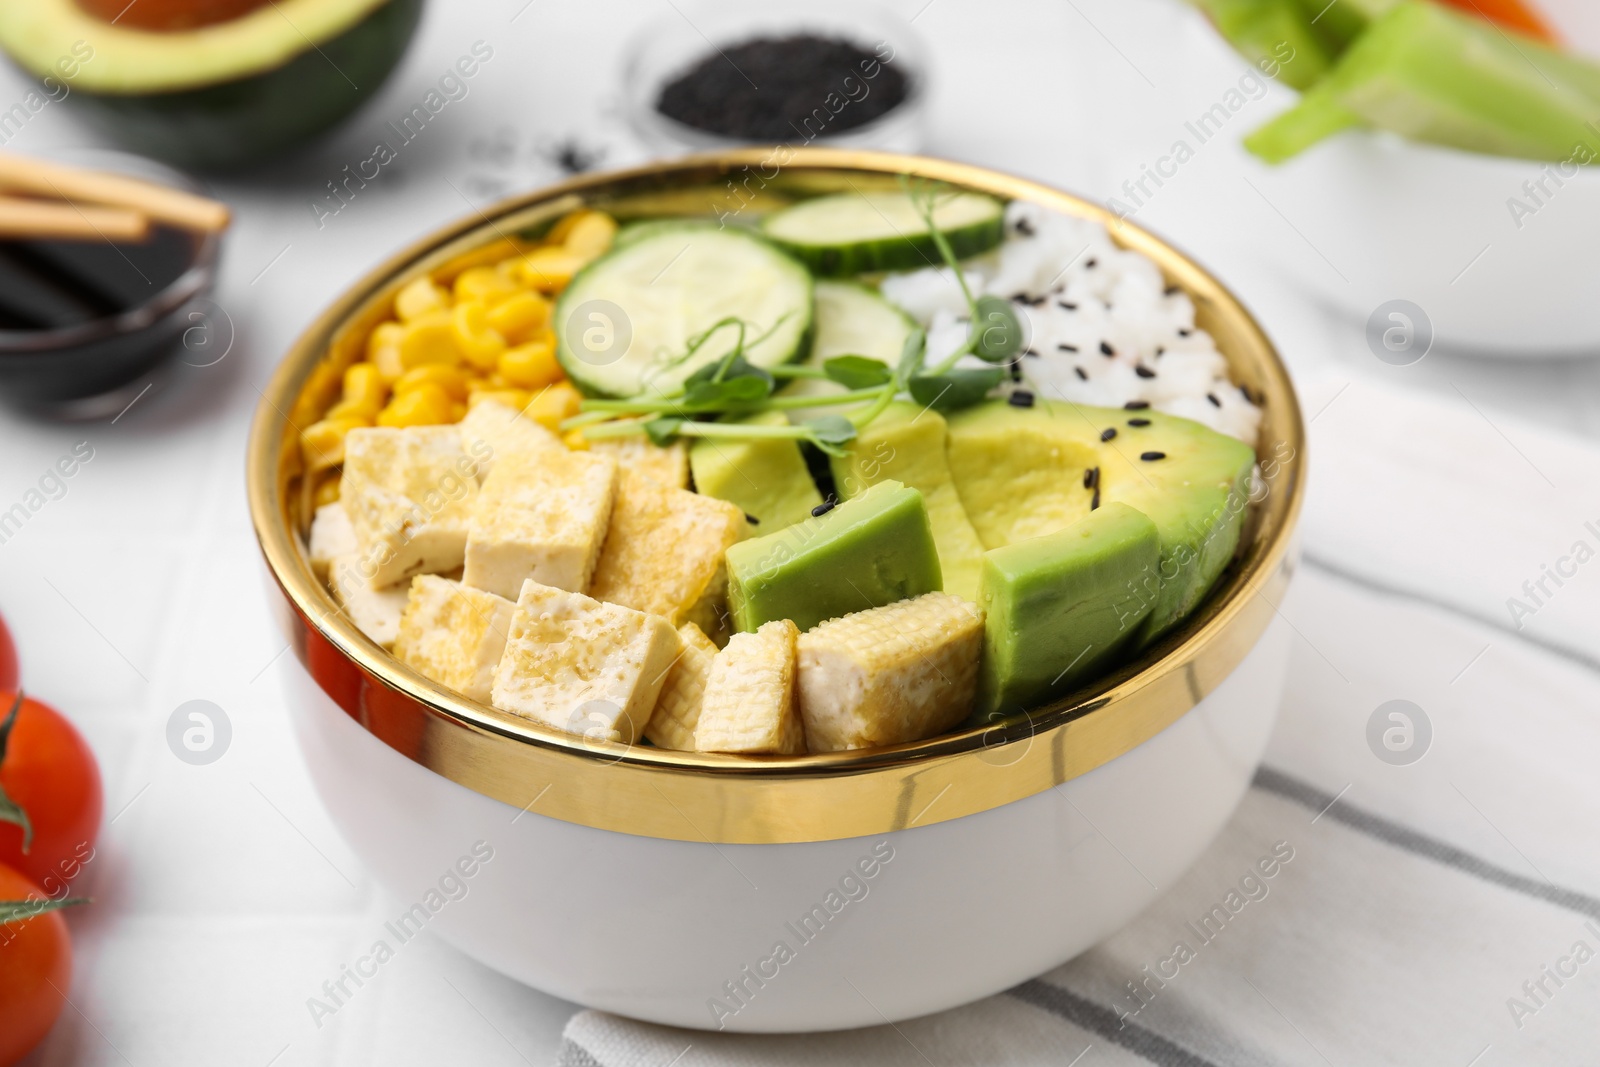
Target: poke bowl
(878, 777)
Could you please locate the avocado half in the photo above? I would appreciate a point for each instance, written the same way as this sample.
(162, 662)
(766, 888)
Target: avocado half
(218, 96)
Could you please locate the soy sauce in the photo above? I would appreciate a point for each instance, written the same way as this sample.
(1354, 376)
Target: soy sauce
(55, 284)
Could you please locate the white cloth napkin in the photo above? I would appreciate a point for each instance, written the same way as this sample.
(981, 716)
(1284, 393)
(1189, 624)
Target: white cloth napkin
(1433, 913)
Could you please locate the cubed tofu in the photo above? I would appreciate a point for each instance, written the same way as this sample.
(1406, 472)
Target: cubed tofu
(668, 464)
(331, 536)
(492, 429)
(409, 495)
(453, 634)
(541, 516)
(664, 549)
(678, 707)
(891, 674)
(582, 666)
(749, 700)
(376, 612)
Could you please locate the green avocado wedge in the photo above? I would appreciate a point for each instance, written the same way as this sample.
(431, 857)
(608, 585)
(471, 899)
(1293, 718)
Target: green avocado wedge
(222, 96)
(1062, 608)
(1024, 472)
(767, 477)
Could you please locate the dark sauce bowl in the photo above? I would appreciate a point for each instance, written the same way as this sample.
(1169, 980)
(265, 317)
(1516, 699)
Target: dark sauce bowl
(83, 322)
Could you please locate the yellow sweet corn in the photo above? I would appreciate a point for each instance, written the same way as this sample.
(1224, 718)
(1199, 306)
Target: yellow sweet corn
(430, 338)
(364, 388)
(554, 404)
(548, 269)
(418, 298)
(484, 285)
(558, 233)
(426, 405)
(453, 380)
(479, 343)
(517, 317)
(322, 443)
(590, 236)
(511, 398)
(389, 364)
(384, 335)
(575, 440)
(531, 366)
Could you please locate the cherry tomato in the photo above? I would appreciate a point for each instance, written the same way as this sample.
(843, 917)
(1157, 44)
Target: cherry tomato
(49, 771)
(35, 971)
(1512, 14)
(8, 659)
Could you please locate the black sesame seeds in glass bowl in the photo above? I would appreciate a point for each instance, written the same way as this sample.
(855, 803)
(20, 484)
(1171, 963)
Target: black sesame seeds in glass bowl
(721, 75)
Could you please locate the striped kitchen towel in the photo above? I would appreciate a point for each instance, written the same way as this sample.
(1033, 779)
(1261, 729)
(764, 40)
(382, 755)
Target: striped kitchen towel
(1437, 905)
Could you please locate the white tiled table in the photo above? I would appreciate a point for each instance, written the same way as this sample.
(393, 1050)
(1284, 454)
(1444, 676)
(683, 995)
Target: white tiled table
(223, 896)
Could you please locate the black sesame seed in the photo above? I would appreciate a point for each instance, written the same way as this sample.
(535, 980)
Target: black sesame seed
(1089, 264)
(1020, 398)
(1025, 227)
(1171, 290)
(1067, 305)
(1106, 349)
(822, 509)
(1151, 457)
(1136, 405)
(1184, 333)
(1082, 375)
(1138, 422)
(751, 519)
(1244, 390)
(1144, 372)
(1088, 478)
(1030, 352)
(1108, 433)
(1095, 481)
(1066, 348)
(1160, 351)
(1214, 401)
(1094, 501)
(1015, 367)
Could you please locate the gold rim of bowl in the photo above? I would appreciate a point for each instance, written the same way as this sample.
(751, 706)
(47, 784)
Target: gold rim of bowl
(689, 796)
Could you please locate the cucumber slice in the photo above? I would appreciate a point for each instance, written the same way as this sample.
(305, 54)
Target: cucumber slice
(626, 323)
(854, 233)
(851, 320)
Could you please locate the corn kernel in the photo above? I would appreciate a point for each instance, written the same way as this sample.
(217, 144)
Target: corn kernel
(519, 316)
(364, 387)
(511, 398)
(453, 380)
(327, 490)
(484, 285)
(575, 440)
(426, 405)
(530, 366)
(429, 339)
(418, 298)
(384, 335)
(563, 226)
(477, 341)
(458, 411)
(548, 269)
(389, 364)
(590, 236)
(553, 404)
(322, 443)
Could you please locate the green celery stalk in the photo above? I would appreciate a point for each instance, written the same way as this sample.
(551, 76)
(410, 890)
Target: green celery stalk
(1275, 35)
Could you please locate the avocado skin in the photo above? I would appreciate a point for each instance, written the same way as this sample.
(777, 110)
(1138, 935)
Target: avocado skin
(237, 123)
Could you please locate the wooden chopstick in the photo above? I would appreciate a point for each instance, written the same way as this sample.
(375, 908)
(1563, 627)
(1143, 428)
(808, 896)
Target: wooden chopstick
(24, 174)
(28, 219)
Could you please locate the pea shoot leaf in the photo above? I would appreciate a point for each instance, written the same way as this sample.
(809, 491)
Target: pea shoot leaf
(831, 432)
(713, 396)
(911, 356)
(955, 389)
(662, 430)
(10, 810)
(731, 367)
(856, 372)
(996, 330)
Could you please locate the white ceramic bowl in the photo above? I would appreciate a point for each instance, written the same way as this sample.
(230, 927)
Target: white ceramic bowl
(899, 881)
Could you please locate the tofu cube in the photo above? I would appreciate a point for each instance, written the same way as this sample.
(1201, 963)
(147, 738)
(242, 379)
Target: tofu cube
(409, 495)
(749, 700)
(678, 707)
(668, 465)
(582, 666)
(376, 612)
(492, 429)
(453, 634)
(891, 674)
(664, 549)
(541, 516)
(331, 536)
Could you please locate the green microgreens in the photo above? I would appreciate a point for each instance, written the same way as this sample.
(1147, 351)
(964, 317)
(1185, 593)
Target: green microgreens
(16, 911)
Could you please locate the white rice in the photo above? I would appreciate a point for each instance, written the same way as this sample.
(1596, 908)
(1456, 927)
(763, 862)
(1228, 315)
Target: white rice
(1075, 291)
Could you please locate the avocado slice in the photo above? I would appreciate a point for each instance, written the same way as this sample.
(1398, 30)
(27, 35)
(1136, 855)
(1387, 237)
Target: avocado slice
(221, 95)
(1023, 472)
(872, 550)
(1062, 608)
(766, 476)
(906, 443)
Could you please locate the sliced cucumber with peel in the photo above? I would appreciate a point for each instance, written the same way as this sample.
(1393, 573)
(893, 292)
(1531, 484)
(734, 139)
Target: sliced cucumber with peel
(856, 233)
(851, 320)
(643, 317)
